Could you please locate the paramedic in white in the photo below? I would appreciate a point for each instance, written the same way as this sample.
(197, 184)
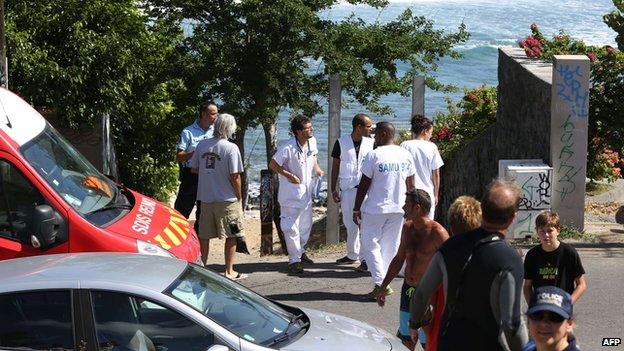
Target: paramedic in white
(387, 174)
(427, 159)
(347, 156)
(295, 162)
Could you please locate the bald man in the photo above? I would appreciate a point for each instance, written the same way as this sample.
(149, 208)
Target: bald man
(484, 281)
(387, 174)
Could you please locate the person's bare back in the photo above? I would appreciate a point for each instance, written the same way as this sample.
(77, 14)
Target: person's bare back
(421, 241)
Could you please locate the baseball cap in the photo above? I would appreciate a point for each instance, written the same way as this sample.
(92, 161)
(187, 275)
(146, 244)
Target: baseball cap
(553, 299)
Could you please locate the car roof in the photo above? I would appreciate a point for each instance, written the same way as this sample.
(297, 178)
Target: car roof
(89, 270)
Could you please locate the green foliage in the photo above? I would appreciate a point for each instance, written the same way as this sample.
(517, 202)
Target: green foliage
(85, 59)
(615, 20)
(573, 233)
(606, 105)
(264, 57)
(464, 120)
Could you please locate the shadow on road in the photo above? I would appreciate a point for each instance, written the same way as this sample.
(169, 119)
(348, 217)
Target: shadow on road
(321, 296)
(316, 270)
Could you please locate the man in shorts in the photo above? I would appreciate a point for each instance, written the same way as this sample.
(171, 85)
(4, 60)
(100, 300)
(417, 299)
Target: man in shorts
(219, 165)
(420, 239)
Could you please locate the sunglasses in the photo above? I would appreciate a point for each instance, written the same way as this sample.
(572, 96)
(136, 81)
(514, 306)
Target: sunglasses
(545, 315)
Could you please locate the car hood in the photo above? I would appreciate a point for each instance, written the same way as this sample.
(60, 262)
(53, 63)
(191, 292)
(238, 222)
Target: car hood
(329, 331)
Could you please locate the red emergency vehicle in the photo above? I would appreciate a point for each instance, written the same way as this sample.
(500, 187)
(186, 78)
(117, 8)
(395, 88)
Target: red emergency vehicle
(52, 200)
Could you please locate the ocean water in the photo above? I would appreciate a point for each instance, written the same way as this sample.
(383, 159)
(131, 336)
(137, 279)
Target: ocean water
(491, 23)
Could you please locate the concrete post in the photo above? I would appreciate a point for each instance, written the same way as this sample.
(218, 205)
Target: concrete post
(418, 96)
(332, 229)
(568, 136)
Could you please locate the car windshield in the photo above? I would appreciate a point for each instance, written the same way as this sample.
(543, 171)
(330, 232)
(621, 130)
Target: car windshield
(81, 185)
(243, 312)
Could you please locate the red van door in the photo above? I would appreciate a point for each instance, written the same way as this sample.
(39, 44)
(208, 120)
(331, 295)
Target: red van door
(19, 202)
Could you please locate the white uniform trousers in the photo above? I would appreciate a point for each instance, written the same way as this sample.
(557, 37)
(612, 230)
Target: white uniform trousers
(381, 236)
(347, 200)
(296, 224)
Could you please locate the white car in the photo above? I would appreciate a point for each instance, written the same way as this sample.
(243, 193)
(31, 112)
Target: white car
(113, 301)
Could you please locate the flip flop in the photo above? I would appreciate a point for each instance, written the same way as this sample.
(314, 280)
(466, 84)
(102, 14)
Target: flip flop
(239, 276)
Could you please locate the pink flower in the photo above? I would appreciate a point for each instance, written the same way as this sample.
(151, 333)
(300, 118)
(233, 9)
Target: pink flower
(592, 56)
(443, 134)
(610, 50)
(558, 37)
(522, 43)
(533, 26)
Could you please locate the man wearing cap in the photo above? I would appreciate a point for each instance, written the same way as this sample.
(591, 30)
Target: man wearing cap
(551, 320)
(190, 136)
(348, 153)
(484, 281)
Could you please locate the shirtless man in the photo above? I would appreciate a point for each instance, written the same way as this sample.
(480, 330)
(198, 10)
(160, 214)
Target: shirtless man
(420, 239)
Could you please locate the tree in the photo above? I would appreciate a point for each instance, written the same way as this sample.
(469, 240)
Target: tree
(606, 106)
(263, 57)
(615, 20)
(84, 59)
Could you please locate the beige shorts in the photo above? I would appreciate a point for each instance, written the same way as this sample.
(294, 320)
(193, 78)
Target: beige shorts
(219, 219)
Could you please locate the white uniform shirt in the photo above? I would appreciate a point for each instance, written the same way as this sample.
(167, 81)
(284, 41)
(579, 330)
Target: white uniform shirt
(388, 167)
(426, 160)
(350, 171)
(300, 161)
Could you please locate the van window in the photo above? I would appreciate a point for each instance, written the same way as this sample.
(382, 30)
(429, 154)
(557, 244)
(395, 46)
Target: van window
(18, 199)
(83, 187)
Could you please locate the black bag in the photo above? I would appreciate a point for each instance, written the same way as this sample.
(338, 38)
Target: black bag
(241, 245)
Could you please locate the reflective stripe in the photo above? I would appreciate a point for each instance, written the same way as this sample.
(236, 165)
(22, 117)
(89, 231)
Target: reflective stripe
(174, 239)
(162, 242)
(178, 229)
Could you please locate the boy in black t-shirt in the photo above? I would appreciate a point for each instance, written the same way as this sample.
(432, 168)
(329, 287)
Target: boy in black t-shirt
(553, 262)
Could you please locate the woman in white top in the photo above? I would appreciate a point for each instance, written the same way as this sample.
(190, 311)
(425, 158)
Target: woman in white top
(427, 159)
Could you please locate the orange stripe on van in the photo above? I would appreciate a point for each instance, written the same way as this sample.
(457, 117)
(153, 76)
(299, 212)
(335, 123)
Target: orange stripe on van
(174, 239)
(175, 213)
(179, 230)
(162, 242)
(178, 220)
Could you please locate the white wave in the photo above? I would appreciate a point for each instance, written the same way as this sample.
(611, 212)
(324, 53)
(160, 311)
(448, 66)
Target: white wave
(497, 43)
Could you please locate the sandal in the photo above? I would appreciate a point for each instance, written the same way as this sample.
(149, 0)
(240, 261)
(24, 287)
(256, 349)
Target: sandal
(239, 276)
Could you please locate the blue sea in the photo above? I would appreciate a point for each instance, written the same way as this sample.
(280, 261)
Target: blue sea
(491, 23)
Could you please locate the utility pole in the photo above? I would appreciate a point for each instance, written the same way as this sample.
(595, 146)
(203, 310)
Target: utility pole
(332, 230)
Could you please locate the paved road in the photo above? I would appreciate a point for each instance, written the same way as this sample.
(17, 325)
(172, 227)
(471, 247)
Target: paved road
(339, 289)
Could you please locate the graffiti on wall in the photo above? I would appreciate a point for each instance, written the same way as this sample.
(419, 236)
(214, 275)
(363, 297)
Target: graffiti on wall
(574, 101)
(536, 190)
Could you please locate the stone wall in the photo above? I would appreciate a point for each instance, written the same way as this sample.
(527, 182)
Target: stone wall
(521, 131)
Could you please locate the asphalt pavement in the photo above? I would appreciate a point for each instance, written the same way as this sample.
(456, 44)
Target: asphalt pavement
(340, 289)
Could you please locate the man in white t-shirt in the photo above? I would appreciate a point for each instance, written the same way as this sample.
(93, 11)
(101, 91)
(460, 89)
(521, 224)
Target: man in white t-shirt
(295, 162)
(427, 159)
(387, 174)
(348, 154)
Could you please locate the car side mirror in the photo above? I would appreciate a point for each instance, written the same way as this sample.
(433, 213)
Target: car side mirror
(44, 227)
(218, 348)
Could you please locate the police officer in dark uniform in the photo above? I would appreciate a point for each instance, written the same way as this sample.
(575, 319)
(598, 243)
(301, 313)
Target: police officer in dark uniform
(189, 138)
